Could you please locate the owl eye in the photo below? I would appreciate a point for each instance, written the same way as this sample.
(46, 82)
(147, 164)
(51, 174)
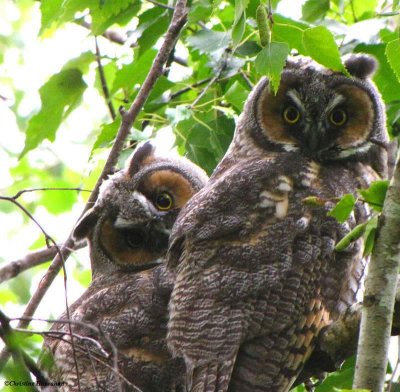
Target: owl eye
(134, 238)
(164, 201)
(291, 115)
(338, 117)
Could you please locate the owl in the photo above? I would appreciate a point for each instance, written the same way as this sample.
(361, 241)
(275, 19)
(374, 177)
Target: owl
(119, 323)
(257, 274)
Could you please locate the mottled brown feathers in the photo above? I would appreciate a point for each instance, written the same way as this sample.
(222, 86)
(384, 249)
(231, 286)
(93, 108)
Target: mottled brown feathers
(257, 274)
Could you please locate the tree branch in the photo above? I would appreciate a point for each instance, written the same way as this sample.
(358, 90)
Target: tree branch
(178, 21)
(379, 296)
(104, 87)
(33, 259)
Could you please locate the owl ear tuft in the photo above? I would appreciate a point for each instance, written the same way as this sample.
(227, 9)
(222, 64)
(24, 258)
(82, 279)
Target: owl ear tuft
(361, 66)
(142, 155)
(85, 224)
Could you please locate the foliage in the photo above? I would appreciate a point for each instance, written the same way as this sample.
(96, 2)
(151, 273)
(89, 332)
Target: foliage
(224, 49)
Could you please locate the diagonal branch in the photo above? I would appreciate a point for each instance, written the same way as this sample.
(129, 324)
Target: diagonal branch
(179, 19)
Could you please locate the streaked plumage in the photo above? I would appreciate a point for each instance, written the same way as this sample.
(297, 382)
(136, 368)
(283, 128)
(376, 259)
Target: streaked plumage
(257, 273)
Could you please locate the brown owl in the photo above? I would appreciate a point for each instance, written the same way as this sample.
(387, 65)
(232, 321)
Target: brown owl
(120, 322)
(257, 275)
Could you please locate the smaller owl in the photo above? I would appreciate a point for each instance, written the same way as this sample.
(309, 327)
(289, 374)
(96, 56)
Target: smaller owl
(120, 321)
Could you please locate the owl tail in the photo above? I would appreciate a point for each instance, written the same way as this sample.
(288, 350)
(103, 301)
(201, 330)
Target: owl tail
(211, 377)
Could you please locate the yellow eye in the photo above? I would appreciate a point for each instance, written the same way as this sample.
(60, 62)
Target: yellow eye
(164, 201)
(338, 117)
(291, 115)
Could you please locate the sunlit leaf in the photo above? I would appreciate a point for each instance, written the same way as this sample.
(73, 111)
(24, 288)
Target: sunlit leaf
(375, 194)
(314, 9)
(343, 208)
(207, 41)
(393, 56)
(321, 46)
(238, 30)
(134, 73)
(59, 96)
(237, 95)
(271, 60)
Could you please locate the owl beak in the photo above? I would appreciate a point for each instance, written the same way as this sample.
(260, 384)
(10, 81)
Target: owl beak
(312, 142)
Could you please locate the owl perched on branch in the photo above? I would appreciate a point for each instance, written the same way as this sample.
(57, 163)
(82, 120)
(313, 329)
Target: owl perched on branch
(257, 275)
(120, 321)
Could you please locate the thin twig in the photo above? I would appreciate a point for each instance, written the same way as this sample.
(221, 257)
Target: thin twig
(104, 87)
(221, 68)
(188, 88)
(19, 193)
(33, 259)
(92, 327)
(246, 79)
(179, 19)
(161, 5)
(48, 239)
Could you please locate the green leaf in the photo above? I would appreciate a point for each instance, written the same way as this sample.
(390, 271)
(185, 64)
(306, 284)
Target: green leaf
(321, 46)
(134, 73)
(208, 41)
(59, 96)
(369, 235)
(342, 378)
(343, 208)
(354, 235)
(364, 9)
(375, 194)
(240, 9)
(106, 135)
(237, 95)
(199, 11)
(50, 10)
(393, 55)
(313, 10)
(289, 31)
(153, 32)
(271, 60)
(115, 11)
(238, 30)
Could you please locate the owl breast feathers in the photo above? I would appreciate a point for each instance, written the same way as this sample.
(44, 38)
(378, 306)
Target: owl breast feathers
(119, 323)
(257, 275)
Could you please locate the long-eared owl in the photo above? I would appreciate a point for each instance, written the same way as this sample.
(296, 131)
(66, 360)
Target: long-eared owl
(119, 323)
(257, 275)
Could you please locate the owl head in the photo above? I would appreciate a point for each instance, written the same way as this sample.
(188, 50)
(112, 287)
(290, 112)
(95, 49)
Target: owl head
(129, 225)
(325, 115)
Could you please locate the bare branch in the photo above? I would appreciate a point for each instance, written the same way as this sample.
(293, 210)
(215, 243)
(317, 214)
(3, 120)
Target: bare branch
(178, 21)
(19, 193)
(33, 259)
(104, 87)
(379, 296)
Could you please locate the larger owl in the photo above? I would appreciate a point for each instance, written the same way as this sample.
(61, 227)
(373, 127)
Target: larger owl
(119, 323)
(257, 273)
